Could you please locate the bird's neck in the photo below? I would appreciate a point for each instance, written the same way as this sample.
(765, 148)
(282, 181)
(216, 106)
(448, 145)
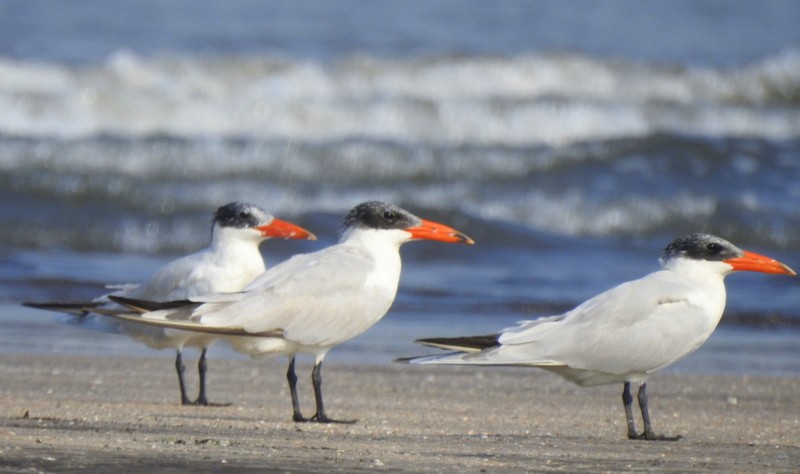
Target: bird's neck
(381, 244)
(699, 268)
(706, 281)
(383, 249)
(238, 249)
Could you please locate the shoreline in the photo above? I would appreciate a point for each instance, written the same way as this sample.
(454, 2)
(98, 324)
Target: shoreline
(731, 349)
(77, 413)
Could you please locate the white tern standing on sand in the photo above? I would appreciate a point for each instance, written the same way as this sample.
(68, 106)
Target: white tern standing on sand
(311, 302)
(627, 333)
(229, 263)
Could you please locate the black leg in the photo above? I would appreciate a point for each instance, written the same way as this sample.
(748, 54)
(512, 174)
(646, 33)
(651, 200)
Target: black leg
(648, 427)
(202, 369)
(316, 380)
(642, 397)
(202, 366)
(180, 368)
(292, 378)
(627, 401)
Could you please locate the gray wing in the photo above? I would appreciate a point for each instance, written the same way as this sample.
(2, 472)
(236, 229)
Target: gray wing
(640, 326)
(320, 298)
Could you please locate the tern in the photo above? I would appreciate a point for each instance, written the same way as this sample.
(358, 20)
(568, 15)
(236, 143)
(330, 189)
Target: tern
(228, 264)
(312, 302)
(625, 334)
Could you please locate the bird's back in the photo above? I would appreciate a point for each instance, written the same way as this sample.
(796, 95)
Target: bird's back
(631, 330)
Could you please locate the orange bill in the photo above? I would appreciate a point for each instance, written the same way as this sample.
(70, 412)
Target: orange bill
(430, 230)
(753, 262)
(285, 230)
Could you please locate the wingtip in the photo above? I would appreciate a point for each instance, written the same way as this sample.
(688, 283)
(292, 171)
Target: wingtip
(461, 344)
(144, 306)
(79, 309)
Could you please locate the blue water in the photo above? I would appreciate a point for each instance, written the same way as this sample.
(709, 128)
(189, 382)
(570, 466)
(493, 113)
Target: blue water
(716, 33)
(571, 141)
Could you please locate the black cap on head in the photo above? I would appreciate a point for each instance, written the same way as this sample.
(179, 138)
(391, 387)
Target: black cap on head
(699, 246)
(379, 215)
(241, 216)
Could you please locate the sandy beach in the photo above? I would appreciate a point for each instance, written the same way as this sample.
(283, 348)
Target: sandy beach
(63, 414)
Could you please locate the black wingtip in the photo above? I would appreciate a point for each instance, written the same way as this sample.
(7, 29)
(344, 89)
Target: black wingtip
(146, 305)
(57, 305)
(467, 343)
(77, 309)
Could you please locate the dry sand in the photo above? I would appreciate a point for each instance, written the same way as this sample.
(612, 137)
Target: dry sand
(62, 414)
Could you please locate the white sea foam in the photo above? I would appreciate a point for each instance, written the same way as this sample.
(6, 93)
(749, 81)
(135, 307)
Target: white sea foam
(562, 144)
(518, 101)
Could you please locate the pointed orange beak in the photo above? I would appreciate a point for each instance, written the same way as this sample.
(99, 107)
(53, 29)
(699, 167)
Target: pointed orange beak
(285, 230)
(430, 230)
(753, 262)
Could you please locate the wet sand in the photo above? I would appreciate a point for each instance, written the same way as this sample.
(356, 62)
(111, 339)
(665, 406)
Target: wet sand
(63, 414)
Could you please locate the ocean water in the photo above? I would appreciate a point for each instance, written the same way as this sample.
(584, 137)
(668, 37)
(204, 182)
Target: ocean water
(572, 142)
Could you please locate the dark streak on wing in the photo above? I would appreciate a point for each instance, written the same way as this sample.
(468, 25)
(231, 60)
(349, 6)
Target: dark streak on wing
(191, 326)
(467, 343)
(143, 306)
(80, 309)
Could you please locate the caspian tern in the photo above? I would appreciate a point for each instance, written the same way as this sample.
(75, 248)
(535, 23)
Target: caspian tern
(312, 302)
(228, 264)
(624, 334)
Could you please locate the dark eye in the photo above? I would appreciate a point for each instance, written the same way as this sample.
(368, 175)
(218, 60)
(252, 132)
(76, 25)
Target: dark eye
(714, 248)
(244, 215)
(389, 216)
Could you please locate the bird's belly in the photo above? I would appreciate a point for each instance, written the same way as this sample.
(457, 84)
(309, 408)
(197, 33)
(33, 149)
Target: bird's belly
(261, 346)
